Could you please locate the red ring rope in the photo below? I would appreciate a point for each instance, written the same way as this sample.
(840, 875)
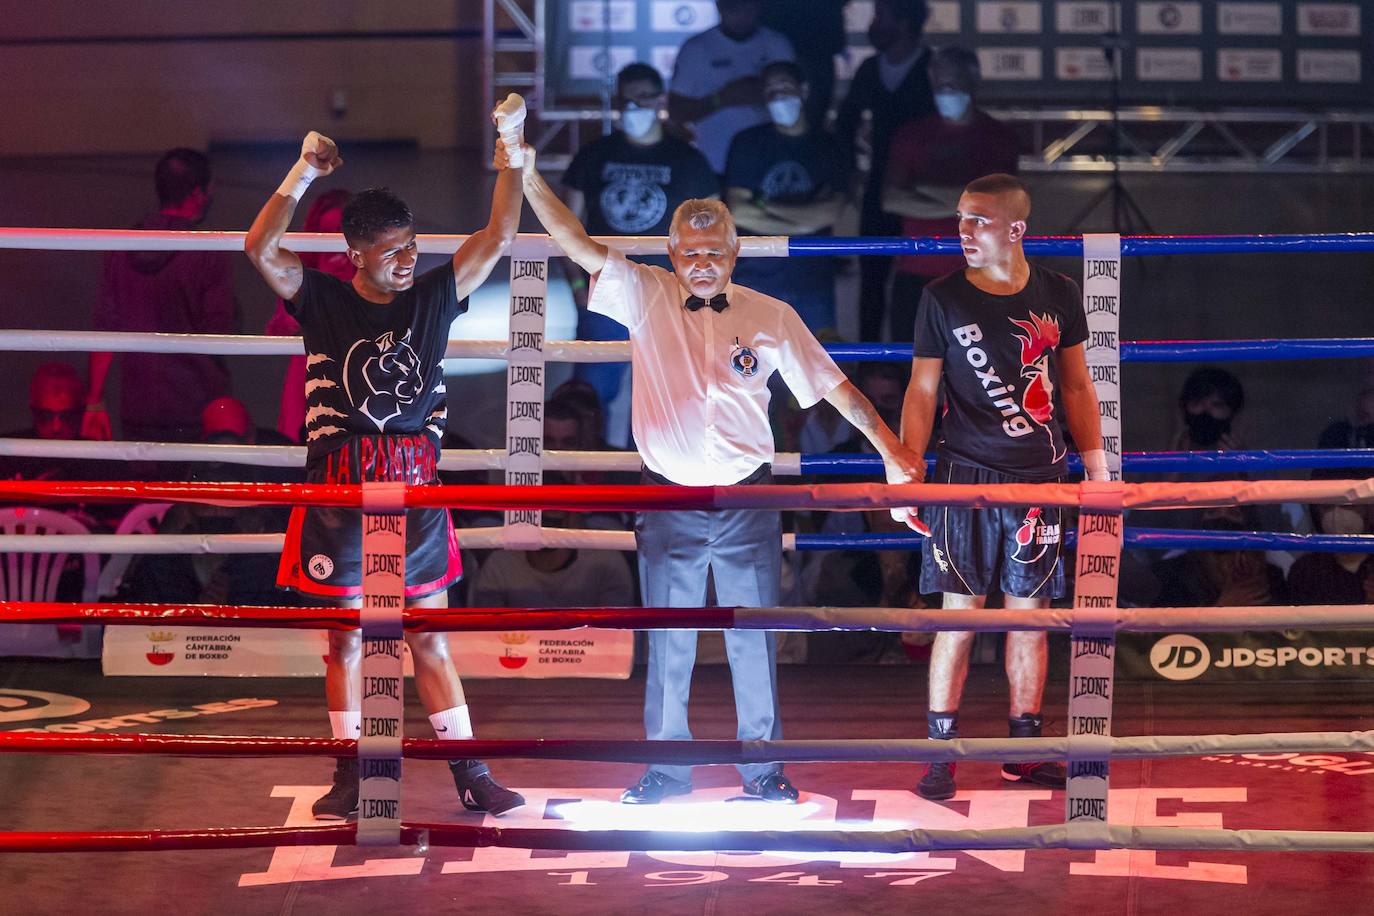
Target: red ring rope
(655, 498)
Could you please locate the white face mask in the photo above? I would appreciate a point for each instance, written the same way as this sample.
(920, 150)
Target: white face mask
(952, 105)
(637, 122)
(785, 110)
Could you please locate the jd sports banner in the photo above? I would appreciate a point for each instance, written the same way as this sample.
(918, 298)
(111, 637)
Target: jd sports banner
(1209, 658)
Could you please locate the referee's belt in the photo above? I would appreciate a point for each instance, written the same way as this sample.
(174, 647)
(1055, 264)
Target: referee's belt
(759, 475)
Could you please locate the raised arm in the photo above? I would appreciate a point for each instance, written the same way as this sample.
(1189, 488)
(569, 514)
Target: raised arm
(279, 266)
(474, 261)
(559, 222)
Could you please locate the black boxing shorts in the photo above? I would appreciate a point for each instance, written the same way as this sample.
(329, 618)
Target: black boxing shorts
(1017, 549)
(322, 556)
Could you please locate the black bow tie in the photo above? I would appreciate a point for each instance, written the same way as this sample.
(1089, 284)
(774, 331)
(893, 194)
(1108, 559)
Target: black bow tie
(716, 302)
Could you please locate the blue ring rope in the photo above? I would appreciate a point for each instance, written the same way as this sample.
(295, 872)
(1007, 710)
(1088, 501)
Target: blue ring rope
(1072, 246)
(1164, 351)
(1143, 538)
(1144, 462)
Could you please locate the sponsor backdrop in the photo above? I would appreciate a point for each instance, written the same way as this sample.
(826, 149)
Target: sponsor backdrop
(181, 651)
(1183, 52)
(1250, 656)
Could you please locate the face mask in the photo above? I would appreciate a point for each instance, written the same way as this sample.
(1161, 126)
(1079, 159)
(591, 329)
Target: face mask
(1206, 430)
(952, 104)
(1340, 520)
(785, 110)
(880, 40)
(637, 122)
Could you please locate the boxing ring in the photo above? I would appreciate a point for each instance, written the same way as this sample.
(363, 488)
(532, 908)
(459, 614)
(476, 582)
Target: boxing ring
(1092, 624)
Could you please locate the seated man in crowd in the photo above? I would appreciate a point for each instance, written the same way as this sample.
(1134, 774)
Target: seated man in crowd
(788, 177)
(57, 398)
(1220, 578)
(628, 182)
(554, 577)
(930, 161)
(239, 579)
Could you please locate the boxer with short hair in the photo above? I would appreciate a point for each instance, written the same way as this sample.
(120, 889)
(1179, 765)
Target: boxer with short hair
(376, 411)
(1006, 339)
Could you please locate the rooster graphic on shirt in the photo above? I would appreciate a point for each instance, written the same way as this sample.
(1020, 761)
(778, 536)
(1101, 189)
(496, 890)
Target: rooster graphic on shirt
(1037, 395)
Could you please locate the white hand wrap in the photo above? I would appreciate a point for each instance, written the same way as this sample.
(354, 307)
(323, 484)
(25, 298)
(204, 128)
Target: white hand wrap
(302, 173)
(1095, 465)
(509, 118)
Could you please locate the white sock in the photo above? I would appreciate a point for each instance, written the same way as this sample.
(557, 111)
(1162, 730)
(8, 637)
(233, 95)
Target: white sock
(452, 724)
(347, 724)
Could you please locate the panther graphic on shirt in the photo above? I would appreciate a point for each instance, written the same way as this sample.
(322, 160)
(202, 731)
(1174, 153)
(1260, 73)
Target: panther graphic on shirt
(382, 377)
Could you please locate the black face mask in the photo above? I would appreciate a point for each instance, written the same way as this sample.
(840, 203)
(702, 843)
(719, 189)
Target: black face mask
(1206, 430)
(880, 39)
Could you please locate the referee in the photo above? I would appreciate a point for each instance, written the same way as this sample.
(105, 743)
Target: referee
(703, 350)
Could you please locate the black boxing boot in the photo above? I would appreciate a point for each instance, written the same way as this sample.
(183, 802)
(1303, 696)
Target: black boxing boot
(340, 803)
(937, 783)
(1043, 773)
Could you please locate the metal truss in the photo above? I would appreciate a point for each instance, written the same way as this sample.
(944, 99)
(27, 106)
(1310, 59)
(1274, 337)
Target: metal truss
(513, 60)
(1155, 139)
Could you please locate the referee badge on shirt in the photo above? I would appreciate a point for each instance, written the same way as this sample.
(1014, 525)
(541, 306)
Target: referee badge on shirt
(743, 360)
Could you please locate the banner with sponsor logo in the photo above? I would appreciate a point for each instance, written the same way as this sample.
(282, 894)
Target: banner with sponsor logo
(1046, 51)
(383, 666)
(1289, 655)
(1102, 304)
(1092, 652)
(194, 651)
(525, 393)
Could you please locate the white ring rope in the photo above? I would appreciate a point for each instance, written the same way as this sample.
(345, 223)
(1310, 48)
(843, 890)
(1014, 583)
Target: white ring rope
(526, 244)
(293, 456)
(19, 339)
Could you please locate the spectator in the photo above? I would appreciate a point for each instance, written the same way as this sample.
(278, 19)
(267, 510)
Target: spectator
(1210, 401)
(554, 577)
(891, 88)
(817, 31)
(930, 162)
(1334, 578)
(324, 215)
(884, 384)
(717, 80)
(570, 424)
(579, 398)
(183, 292)
(57, 398)
(788, 177)
(1354, 431)
(1220, 578)
(243, 579)
(629, 183)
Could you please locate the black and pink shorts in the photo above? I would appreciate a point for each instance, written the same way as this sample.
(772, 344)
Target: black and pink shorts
(324, 544)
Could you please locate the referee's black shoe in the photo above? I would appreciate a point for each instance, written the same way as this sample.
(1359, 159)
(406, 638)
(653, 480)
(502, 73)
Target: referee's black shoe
(773, 787)
(479, 792)
(652, 788)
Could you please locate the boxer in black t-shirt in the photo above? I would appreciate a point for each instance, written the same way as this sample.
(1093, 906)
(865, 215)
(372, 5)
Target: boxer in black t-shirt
(1007, 340)
(375, 411)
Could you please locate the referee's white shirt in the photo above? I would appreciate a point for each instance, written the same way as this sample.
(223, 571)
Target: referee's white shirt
(700, 403)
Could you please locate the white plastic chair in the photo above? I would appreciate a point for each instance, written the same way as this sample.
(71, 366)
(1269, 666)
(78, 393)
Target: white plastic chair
(35, 577)
(143, 518)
